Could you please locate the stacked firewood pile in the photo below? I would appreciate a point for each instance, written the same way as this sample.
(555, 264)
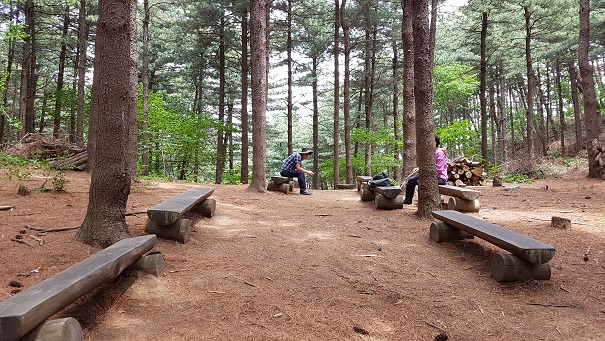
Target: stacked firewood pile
(462, 171)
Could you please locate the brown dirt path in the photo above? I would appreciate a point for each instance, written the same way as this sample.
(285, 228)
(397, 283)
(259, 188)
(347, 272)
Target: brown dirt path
(325, 267)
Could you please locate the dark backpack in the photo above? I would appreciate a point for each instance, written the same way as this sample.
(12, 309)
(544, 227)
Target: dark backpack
(380, 183)
(381, 175)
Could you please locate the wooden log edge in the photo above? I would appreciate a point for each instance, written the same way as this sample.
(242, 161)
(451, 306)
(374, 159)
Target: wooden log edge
(65, 329)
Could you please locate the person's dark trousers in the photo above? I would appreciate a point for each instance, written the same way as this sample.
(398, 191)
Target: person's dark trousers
(293, 173)
(410, 187)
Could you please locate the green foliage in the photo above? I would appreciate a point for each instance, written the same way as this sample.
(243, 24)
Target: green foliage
(232, 176)
(8, 160)
(518, 178)
(453, 85)
(461, 139)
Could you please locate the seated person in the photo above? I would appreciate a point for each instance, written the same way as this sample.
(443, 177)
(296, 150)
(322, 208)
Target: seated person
(292, 168)
(410, 187)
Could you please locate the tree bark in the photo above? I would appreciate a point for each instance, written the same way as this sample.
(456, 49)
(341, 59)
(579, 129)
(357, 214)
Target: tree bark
(82, 42)
(258, 61)
(244, 100)
(591, 115)
(114, 114)
(483, 86)
(336, 153)
(220, 143)
(409, 110)
(562, 125)
(428, 193)
(347, 92)
(289, 105)
(529, 114)
(145, 99)
(577, 110)
(60, 75)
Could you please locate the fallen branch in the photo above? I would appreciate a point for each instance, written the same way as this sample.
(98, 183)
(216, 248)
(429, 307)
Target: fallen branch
(39, 240)
(557, 305)
(39, 229)
(21, 241)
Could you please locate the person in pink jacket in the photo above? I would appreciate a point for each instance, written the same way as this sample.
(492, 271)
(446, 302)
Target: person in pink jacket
(410, 186)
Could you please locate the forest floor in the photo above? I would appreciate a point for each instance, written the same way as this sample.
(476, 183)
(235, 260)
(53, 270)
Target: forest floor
(322, 267)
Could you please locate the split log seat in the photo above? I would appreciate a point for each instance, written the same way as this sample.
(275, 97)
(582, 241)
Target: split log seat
(529, 258)
(281, 184)
(345, 186)
(164, 219)
(361, 179)
(25, 311)
(387, 197)
(461, 199)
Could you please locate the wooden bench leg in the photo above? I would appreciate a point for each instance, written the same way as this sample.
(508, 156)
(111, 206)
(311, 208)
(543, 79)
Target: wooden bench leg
(367, 195)
(384, 203)
(205, 208)
(272, 186)
(463, 205)
(179, 231)
(510, 268)
(65, 329)
(442, 232)
(151, 264)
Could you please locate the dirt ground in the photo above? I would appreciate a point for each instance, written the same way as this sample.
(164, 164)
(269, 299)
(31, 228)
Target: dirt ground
(323, 267)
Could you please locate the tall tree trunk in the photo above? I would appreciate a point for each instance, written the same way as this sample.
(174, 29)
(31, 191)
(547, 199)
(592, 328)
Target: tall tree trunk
(221, 147)
(336, 153)
(591, 115)
(9, 66)
(396, 124)
(289, 64)
(315, 121)
(145, 99)
(529, 114)
(258, 61)
(367, 27)
(577, 110)
(244, 101)
(492, 119)
(82, 42)
(541, 105)
(27, 118)
(347, 92)
(114, 113)
(60, 75)
(428, 194)
(409, 109)
(483, 86)
(501, 120)
(562, 125)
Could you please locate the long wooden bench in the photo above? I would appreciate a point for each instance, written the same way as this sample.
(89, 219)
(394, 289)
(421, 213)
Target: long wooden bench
(281, 184)
(23, 312)
(164, 219)
(529, 258)
(461, 199)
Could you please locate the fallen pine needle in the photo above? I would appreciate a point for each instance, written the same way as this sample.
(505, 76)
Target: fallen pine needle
(435, 326)
(250, 284)
(216, 292)
(368, 255)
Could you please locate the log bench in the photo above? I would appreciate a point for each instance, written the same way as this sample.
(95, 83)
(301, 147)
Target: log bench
(164, 219)
(529, 258)
(281, 184)
(385, 197)
(461, 199)
(361, 179)
(27, 311)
